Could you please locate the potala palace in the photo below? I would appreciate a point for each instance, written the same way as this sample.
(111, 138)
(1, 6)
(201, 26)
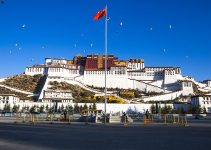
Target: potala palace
(88, 73)
(125, 74)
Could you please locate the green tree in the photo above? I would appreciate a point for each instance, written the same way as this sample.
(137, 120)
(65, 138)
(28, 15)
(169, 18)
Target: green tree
(204, 110)
(15, 109)
(90, 107)
(153, 109)
(7, 108)
(41, 110)
(27, 108)
(85, 108)
(59, 110)
(70, 108)
(169, 109)
(198, 109)
(94, 107)
(80, 109)
(32, 109)
(47, 108)
(62, 108)
(164, 109)
(52, 109)
(156, 108)
(76, 108)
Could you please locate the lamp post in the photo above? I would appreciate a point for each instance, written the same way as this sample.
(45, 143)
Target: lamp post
(106, 47)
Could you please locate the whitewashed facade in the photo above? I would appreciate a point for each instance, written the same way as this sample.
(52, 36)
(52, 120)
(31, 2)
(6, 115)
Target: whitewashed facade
(59, 96)
(207, 82)
(202, 100)
(9, 99)
(133, 75)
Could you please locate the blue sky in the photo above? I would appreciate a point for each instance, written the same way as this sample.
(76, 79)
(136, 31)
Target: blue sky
(164, 32)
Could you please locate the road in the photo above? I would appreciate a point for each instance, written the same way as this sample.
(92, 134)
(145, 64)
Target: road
(97, 137)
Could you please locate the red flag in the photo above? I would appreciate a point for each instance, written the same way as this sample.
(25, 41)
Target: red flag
(100, 14)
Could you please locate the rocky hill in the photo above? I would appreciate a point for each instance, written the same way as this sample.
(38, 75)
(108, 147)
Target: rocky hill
(34, 84)
(21, 95)
(79, 94)
(27, 83)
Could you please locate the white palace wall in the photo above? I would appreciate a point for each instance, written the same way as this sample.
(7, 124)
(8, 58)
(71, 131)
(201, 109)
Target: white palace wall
(117, 77)
(63, 72)
(158, 83)
(145, 76)
(34, 71)
(113, 81)
(118, 81)
(110, 108)
(164, 97)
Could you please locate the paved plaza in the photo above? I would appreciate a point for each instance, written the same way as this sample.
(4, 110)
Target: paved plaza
(107, 137)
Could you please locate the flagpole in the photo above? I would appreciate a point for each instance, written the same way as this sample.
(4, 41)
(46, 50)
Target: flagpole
(106, 47)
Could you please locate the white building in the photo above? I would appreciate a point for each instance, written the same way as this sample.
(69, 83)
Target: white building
(57, 96)
(130, 74)
(204, 101)
(135, 64)
(55, 61)
(187, 87)
(9, 99)
(207, 82)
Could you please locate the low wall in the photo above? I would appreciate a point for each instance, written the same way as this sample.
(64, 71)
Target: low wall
(164, 97)
(111, 108)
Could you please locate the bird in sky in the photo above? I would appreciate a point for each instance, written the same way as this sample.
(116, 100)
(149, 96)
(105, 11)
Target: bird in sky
(23, 26)
(121, 24)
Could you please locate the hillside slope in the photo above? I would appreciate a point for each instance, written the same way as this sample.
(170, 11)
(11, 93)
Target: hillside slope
(79, 94)
(27, 83)
(21, 95)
